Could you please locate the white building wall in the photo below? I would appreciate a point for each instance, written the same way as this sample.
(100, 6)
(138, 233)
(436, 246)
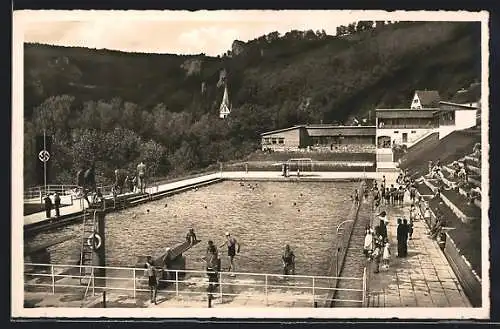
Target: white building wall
(465, 119)
(396, 134)
(446, 130)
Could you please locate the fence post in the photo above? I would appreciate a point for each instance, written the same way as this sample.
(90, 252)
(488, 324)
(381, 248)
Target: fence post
(314, 293)
(220, 286)
(364, 287)
(134, 280)
(53, 279)
(177, 282)
(93, 282)
(267, 301)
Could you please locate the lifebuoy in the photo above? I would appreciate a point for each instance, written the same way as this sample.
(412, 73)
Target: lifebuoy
(94, 241)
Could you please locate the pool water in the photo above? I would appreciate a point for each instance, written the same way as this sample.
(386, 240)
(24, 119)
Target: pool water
(262, 216)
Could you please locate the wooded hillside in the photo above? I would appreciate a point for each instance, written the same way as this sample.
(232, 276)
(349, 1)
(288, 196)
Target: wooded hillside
(116, 108)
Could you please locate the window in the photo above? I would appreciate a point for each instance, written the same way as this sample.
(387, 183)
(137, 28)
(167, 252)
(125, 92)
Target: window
(281, 140)
(413, 131)
(396, 131)
(274, 140)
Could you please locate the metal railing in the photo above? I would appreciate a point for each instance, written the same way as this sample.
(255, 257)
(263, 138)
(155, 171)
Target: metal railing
(131, 281)
(38, 192)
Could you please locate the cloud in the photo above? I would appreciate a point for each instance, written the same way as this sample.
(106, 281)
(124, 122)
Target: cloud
(213, 39)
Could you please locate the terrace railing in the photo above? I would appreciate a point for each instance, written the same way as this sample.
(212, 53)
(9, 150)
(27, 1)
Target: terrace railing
(38, 192)
(131, 281)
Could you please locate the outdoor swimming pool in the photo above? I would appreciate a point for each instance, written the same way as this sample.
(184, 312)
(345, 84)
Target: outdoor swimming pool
(263, 216)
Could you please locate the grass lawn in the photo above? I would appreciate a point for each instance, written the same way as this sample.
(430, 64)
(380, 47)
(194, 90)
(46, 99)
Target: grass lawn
(424, 189)
(462, 203)
(467, 237)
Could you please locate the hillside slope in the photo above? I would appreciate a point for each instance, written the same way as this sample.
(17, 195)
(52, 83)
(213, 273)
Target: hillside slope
(171, 101)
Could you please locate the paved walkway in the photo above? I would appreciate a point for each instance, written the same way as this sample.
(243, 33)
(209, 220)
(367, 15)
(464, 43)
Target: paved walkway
(423, 279)
(164, 300)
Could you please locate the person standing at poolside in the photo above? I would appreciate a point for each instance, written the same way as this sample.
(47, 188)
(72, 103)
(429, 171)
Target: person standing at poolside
(427, 216)
(368, 245)
(152, 281)
(400, 238)
(48, 205)
(413, 217)
(57, 203)
(141, 174)
(233, 247)
(213, 265)
(406, 230)
(288, 260)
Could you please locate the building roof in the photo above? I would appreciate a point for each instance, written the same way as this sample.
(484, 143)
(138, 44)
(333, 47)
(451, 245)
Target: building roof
(449, 106)
(470, 95)
(280, 130)
(341, 130)
(329, 130)
(406, 113)
(428, 98)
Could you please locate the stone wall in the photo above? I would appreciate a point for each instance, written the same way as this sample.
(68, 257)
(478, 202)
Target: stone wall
(470, 282)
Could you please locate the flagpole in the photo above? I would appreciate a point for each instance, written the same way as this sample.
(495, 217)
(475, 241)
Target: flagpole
(44, 165)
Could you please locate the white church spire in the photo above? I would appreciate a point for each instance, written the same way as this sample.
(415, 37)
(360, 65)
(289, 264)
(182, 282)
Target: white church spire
(225, 106)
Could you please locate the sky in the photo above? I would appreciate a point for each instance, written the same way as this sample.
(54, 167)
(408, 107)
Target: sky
(181, 32)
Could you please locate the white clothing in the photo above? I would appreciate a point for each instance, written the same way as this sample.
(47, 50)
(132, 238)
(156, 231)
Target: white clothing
(386, 255)
(368, 241)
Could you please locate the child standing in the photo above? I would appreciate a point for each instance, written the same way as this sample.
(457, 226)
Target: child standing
(368, 245)
(386, 256)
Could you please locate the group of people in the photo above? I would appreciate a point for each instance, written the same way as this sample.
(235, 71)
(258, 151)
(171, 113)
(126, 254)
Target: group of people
(49, 204)
(376, 246)
(213, 262)
(156, 271)
(394, 195)
(132, 183)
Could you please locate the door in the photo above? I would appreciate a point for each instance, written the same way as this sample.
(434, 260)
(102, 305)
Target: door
(405, 137)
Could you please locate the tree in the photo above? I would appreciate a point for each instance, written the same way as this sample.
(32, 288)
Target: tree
(273, 36)
(154, 155)
(351, 28)
(53, 114)
(364, 26)
(341, 30)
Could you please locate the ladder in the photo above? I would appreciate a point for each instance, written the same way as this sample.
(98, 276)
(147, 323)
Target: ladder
(86, 254)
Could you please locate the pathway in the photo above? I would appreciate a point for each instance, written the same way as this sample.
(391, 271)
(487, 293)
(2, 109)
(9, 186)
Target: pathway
(423, 279)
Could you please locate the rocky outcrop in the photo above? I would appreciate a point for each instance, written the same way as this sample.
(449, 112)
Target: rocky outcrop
(192, 66)
(222, 78)
(237, 48)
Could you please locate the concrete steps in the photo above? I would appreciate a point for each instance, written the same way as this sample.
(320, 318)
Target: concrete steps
(457, 203)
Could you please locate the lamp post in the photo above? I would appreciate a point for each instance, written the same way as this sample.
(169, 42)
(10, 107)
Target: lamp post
(44, 163)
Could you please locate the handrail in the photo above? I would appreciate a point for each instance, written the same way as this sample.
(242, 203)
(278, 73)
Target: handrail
(65, 280)
(191, 271)
(91, 280)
